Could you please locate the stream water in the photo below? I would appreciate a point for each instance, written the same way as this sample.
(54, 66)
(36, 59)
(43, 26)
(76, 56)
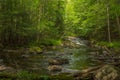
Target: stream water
(79, 59)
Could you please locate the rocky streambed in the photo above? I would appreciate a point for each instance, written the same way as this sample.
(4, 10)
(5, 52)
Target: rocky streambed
(75, 59)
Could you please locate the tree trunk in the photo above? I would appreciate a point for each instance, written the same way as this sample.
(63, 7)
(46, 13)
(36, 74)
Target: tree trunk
(108, 24)
(38, 21)
(118, 23)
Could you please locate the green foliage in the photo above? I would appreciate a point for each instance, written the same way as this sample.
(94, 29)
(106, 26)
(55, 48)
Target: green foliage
(114, 44)
(7, 76)
(25, 75)
(22, 75)
(27, 21)
(88, 18)
(51, 42)
(23, 22)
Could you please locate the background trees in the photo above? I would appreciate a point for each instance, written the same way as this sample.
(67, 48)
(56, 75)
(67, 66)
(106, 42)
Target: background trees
(23, 22)
(96, 19)
(26, 21)
(14, 19)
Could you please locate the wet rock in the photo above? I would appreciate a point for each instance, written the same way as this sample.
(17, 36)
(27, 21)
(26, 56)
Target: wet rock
(71, 44)
(58, 61)
(2, 68)
(1, 61)
(107, 72)
(25, 56)
(105, 52)
(5, 68)
(70, 71)
(10, 51)
(55, 68)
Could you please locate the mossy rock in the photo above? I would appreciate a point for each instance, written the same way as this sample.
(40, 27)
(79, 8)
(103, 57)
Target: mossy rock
(35, 50)
(58, 61)
(51, 42)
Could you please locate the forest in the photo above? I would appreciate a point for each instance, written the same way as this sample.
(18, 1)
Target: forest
(59, 39)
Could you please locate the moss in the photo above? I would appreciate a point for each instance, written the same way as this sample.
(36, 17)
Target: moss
(22, 75)
(7, 76)
(61, 77)
(25, 75)
(35, 50)
(51, 42)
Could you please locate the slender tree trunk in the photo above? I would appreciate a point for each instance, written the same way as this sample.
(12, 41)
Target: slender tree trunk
(108, 23)
(38, 21)
(118, 23)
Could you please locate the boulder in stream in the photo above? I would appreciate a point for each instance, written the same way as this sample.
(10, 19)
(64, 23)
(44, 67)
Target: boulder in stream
(4, 68)
(55, 68)
(25, 56)
(58, 61)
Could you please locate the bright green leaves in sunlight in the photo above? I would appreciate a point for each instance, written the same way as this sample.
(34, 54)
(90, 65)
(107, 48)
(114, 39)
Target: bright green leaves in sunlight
(89, 18)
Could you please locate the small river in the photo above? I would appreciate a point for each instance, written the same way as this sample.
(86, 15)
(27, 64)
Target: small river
(79, 58)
